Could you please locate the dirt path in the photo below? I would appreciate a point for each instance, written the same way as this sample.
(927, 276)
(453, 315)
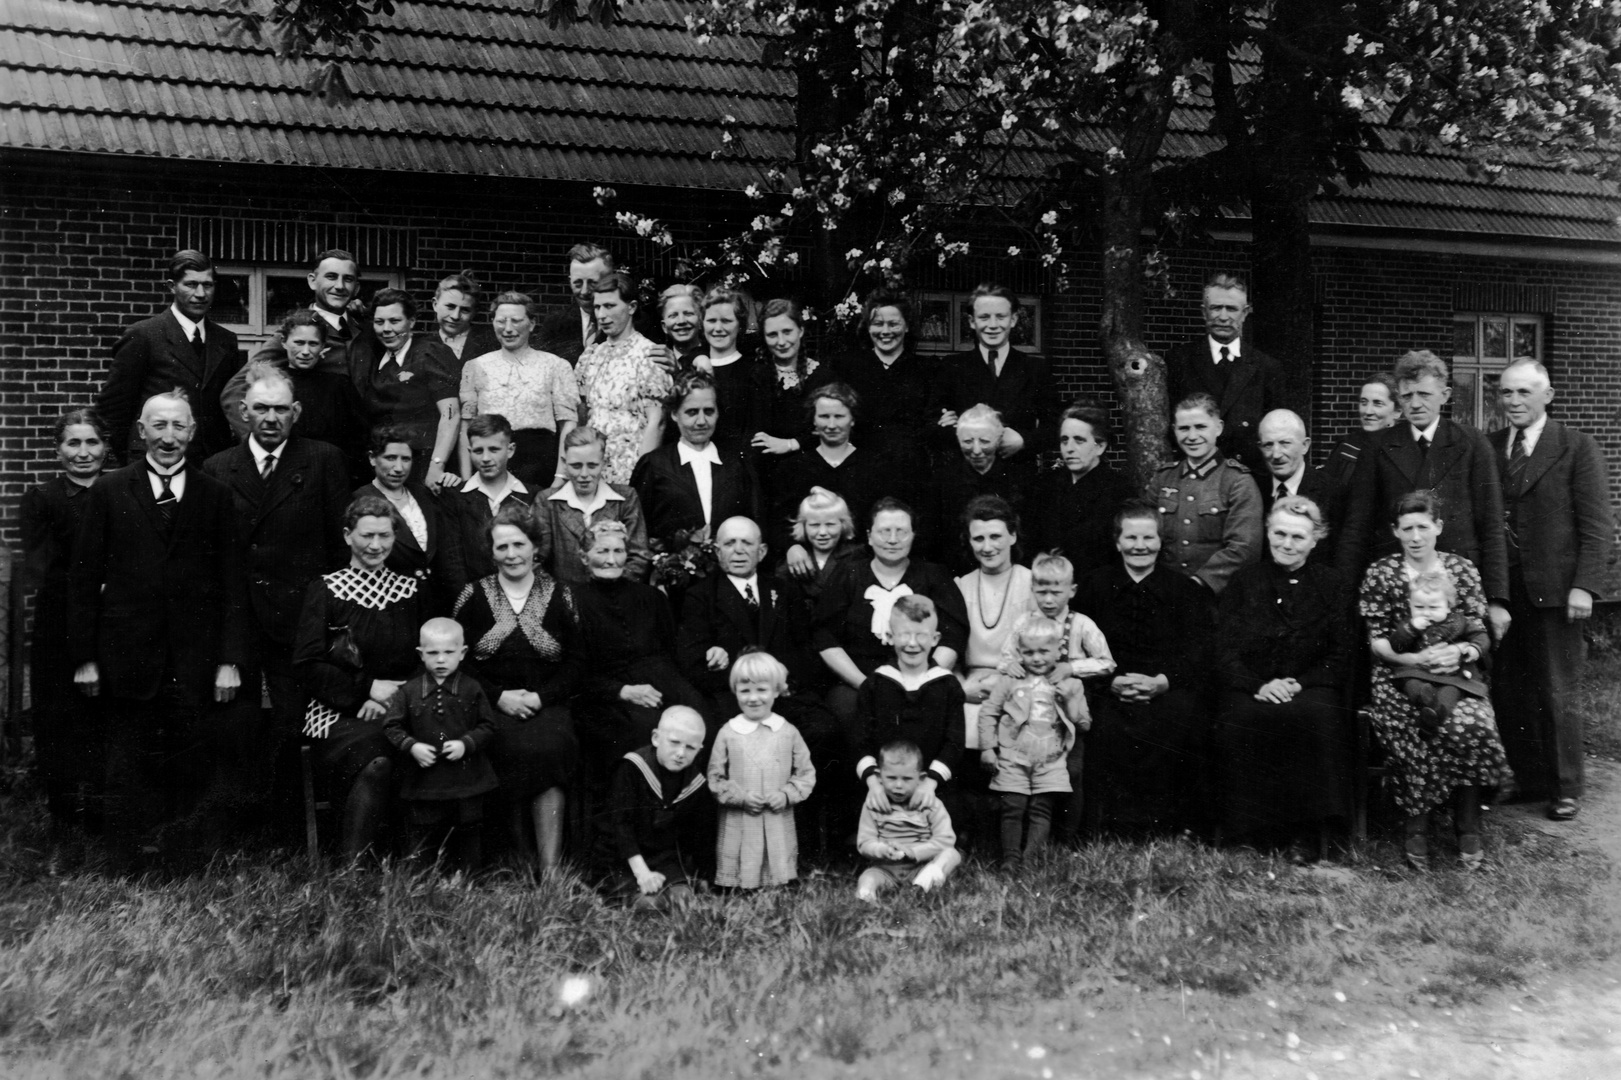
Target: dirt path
(1563, 1027)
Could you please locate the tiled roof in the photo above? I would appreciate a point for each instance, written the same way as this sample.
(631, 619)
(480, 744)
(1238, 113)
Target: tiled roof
(488, 87)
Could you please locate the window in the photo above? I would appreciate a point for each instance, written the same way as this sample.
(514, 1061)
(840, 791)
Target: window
(251, 302)
(945, 323)
(1482, 346)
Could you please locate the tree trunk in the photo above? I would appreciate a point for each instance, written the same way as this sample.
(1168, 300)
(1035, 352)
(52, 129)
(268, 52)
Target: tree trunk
(1282, 288)
(1139, 375)
(828, 99)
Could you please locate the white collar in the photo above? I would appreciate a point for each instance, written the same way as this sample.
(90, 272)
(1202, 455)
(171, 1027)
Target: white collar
(186, 324)
(744, 726)
(399, 352)
(260, 453)
(1292, 481)
(1428, 433)
(752, 581)
(476, 483)
(1234, 349)
(459, 337)
(722, 361)
(912, 682)
(158, 470)
(1531, 434)
(567, 494)
(334, 321)
(688, 455)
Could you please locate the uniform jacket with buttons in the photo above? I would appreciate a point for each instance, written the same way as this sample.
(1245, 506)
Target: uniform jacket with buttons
(1253, 387)
(1209, 519)
(435, 713)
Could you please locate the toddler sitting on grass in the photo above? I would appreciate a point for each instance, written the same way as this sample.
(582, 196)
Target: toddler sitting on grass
(907, 846)
(1029, 727)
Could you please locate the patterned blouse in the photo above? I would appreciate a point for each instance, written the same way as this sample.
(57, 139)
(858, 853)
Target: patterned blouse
(619, 382)
(533, 390)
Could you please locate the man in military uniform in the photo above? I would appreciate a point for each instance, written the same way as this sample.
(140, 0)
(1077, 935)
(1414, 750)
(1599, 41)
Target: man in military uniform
(1209, 507)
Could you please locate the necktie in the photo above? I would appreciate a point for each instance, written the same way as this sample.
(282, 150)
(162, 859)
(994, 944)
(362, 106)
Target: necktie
(1280, 491)
(1517, 452)
(1423, 450)
(750, 599)
(1226, 355)
(268, 467)
(166, 498)
(990, 358)
(197, 341)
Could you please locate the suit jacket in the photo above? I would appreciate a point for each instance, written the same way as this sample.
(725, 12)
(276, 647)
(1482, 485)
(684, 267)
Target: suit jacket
(288, 531)
(144, 602)
(1253, 388)
(1317, 486)
(480, 340)
(1558, 513)
(467, 514)
(412, 405)
(1460, 468)
(1022, 392)
(559, 333)
(714, 613)
(154, 356)
(669, 491)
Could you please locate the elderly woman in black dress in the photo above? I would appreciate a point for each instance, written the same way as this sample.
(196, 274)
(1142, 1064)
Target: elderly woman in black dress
(1071, 508)
(525, 650)
(356, 645)
(1283, 730)
(67, 738)
(629, 635)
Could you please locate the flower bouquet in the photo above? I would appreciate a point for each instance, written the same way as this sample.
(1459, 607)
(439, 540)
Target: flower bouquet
(688, 555)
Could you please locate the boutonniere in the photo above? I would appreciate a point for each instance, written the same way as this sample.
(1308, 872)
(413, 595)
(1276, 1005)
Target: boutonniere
(405, 376)
(298, 479)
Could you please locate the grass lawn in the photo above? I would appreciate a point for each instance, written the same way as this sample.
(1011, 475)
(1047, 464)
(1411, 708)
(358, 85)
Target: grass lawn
(1122, 960)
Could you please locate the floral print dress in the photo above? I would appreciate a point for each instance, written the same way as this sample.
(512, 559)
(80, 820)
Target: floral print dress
(619, 382)
(1467, 749)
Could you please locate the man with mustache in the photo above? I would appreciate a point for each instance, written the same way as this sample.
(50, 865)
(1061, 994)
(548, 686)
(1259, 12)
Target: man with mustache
(155, 611)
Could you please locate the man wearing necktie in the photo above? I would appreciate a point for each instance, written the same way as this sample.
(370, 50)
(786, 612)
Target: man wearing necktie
(1426, 451)
(1285, 448)
(1245, 382)
(288, 494)
(1559, 533)
(155, 609)
(1015, 382)
(181, 348)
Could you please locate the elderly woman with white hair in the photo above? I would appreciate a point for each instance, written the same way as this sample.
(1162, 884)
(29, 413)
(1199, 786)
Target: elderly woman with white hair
(978, 470)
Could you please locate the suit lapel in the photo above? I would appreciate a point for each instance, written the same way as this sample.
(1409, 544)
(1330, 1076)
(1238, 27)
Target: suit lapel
(1241, 375)
(213, 350)
(1444, 453)
(181, 346)
(140, 489)
(1552, 446)
(1403, 453)
(286, 479)
(768, 612)
(245, 477)
(724, 478)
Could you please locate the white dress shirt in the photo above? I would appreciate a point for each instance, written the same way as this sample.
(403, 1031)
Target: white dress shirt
(1234, 350)
(177, 485)
(495, 496)
(190, 328)
(702, 462)
(744, 583)
(568, 496)
(1530, 434)
(1427, 434)
(260, 453)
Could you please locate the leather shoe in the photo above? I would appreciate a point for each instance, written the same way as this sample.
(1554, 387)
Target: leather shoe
(1563, 809)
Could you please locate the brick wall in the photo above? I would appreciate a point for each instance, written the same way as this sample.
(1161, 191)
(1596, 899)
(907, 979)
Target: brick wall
(82, 251)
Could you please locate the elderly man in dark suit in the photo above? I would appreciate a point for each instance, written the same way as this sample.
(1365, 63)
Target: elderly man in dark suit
(1014, 382)
(1245, 382)
(1427, 451)
(181, 348)
(1556, 493)
(1284, 447)
(155, 626)
(289, 494)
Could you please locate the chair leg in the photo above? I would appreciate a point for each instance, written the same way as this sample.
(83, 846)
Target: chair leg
(312, 840)
(1360, 778)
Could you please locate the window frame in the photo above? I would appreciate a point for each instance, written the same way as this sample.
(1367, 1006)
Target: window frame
(258, 330)
(956, 309)
(1484, 411)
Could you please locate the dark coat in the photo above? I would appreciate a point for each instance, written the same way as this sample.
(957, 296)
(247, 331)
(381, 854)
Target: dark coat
(435, 376)
(1022, 392)
(1075, 516)
(1559, 514)
(153, 357)
(408, 557)
(467, 514)
(144, 601)
(1268, 630)
(1251, 389)
(436, 713)
(288, 532)
(714, 613)
(1461, 468)
(559, 333)
(1317, 486)
(480, 340)
(669, 491)
(1158, 626)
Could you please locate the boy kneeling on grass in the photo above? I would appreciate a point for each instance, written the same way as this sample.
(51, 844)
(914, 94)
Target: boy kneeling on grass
(1029, 727)
(443, 720)
(907, 846)
(658, 807)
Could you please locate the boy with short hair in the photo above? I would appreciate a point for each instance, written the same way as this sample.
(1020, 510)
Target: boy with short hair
(442, 719)
(1052, 586)
(907, 846)
(658, 806)
(1029, 727)
(911, 700)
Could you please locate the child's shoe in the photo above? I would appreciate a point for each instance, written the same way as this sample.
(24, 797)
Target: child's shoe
(1470, 853)
(1429, 722)
(1416, 846)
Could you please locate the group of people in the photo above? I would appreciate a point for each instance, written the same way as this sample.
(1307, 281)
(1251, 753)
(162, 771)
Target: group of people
(753, 581)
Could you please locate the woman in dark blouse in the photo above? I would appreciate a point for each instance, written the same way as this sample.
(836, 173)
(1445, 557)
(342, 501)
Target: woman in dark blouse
(1283, 650)
(1071, 509)
(329, 407)
(67, 738)
(413, 382)
(834, 463)
(851, 625)
(629, 635)
(777, 425)
(357, 643)
(667, 479)
(901, 408)
(524, 648)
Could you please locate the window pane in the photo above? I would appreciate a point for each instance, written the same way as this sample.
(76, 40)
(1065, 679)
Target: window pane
(1463, 338)
(1525, 340)
(285, 292)
(1492, 416)
(230, 300)
(1494, 337)
(1465, 396)
(369, 287)
(934, 323)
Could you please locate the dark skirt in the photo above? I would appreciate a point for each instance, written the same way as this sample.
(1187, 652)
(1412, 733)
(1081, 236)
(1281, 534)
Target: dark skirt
(535, 755)
(610, 728)
(70, 734)
(1145, 762)
(535, 462)
(349, 747)
(1281, 767)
